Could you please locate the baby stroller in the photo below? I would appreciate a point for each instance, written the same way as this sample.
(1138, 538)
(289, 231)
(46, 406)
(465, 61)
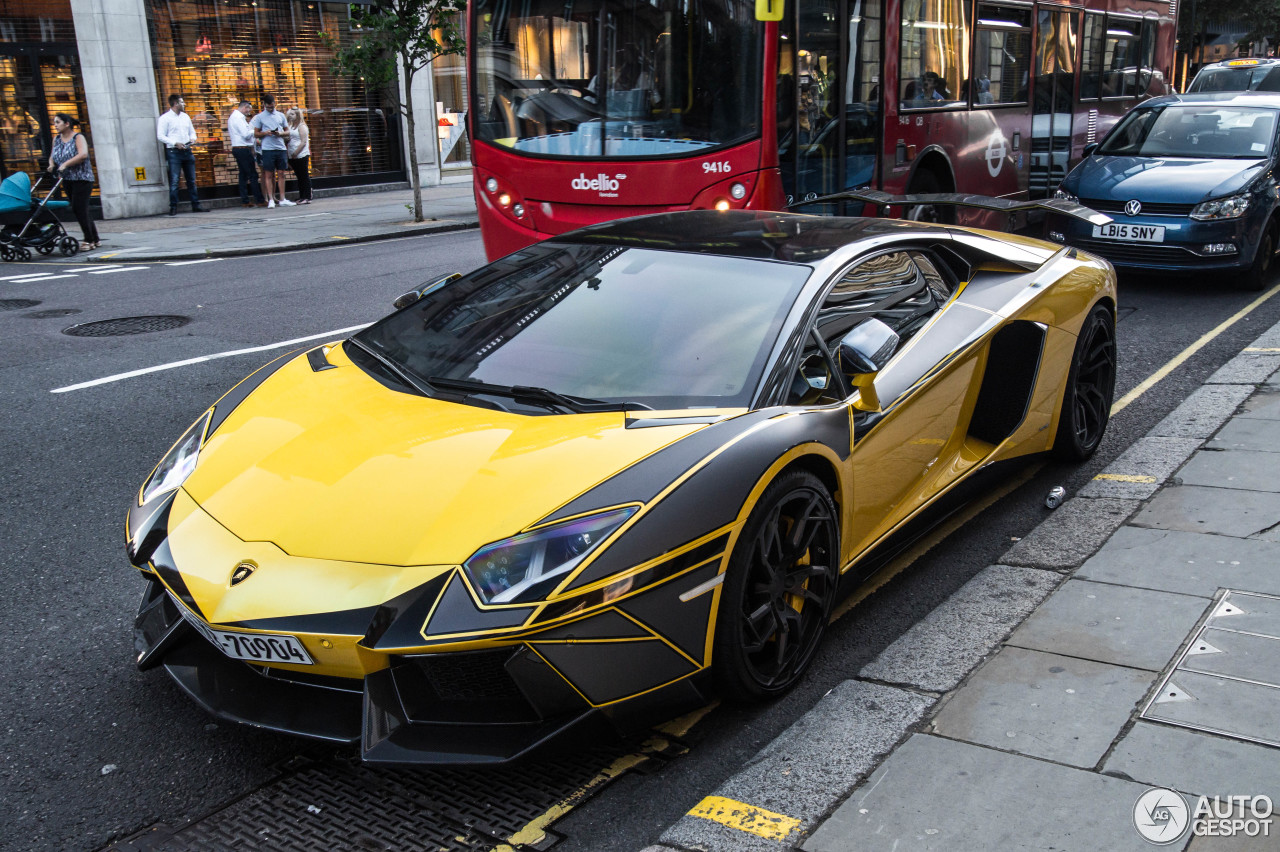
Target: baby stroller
(29, 223)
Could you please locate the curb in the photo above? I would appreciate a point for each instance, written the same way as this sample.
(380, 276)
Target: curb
(443, 226)
(926, 664)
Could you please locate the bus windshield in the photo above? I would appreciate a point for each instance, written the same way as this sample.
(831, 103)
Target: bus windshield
(610, 78)
(1196, 131)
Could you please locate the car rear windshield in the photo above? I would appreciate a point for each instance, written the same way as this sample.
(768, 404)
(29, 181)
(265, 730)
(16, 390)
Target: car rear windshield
(664, 329)
(1194, 130)
(1260, 79)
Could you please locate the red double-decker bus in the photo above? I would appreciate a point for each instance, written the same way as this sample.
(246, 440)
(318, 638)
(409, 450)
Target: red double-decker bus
(583, 112)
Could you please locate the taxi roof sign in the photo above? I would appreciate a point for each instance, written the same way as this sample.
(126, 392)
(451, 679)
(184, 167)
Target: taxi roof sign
(1238, 62)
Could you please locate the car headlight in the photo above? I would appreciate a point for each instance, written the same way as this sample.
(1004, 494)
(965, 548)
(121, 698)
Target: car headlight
(1063, 195)
(528, 566)
(1223, 208)
(175, 467)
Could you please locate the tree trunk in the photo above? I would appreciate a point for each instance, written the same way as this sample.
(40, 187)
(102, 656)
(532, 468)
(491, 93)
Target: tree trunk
(414, 177)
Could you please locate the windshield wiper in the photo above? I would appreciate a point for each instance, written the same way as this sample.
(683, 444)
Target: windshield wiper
(536, 396)
(404, 375)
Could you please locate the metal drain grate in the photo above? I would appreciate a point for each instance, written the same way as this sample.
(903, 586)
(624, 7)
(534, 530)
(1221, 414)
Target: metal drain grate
(17, 304)
(51, 313)
(121, 326)
(337, 804)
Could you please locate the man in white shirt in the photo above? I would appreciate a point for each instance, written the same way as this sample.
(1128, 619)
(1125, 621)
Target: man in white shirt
(272, 129)
(177, 133)
(240, 136)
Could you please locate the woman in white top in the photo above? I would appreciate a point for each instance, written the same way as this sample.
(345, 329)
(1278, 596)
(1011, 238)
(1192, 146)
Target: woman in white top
(300, 153)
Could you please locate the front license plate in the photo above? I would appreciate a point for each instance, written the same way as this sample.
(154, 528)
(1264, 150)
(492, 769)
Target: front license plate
(254, 647)
(1129, 233)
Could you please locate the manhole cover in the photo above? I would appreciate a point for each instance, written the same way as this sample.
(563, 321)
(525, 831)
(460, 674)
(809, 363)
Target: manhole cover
(126, 325)
(17, 304)
(52, 312)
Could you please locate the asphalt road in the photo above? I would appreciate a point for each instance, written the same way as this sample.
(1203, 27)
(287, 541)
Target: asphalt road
(93, 750)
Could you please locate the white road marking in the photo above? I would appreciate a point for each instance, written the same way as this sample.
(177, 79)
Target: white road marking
(201, 359)
(43, 278)
(190, 262)
(23, 275)
(95, 266)
(118, 269)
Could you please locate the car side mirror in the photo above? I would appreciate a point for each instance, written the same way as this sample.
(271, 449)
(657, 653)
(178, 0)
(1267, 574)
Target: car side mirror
(407, 299)
(1089, 149)
(865, 351)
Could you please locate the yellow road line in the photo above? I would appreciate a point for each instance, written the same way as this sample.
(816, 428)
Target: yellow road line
(744, 817)
(1262, 349)
(1182, 356)
(535, 831)
(1126, 477)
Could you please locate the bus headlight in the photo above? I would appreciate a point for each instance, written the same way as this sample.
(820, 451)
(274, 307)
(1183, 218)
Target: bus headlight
(504, 199)
(518, 210)
(491, 184)
(722, 204)
(738, 191)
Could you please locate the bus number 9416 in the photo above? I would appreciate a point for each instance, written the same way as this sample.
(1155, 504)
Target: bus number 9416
(716, 168)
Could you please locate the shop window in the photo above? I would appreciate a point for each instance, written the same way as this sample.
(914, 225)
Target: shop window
(1002, 54)
(935, 53)
(449, 74)
(39, 77)
(216, 53)
(36, 21)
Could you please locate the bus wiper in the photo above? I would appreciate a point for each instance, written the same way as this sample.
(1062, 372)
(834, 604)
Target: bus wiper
(536, 396)
(404, 375)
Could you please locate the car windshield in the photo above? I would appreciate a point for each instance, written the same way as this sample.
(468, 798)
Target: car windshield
(606, 78)
(1259, 79)
(1194, 130)
(663, 329)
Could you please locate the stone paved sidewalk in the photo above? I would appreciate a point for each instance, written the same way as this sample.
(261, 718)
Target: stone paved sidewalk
(236, 231)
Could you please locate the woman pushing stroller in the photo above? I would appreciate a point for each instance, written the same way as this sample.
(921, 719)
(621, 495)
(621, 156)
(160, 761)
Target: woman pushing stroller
(70, 161)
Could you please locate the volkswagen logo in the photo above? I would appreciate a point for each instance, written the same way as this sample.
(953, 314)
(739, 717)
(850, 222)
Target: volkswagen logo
(242, 572)
(1133, 208)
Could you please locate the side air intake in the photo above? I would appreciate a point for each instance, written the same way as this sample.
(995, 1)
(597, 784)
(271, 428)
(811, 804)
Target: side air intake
(1012, 366)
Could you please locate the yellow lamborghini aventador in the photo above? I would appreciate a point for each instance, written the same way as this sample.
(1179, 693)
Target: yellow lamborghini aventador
(602, 477)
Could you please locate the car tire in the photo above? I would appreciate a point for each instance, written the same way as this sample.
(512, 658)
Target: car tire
(779, 590)
(926, 182)
(1091, 385)
(1256, 277)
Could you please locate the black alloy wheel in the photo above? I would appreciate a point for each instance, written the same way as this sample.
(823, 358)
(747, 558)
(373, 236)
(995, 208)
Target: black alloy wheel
(779, 590)
(1091, 386)
(1255, 278)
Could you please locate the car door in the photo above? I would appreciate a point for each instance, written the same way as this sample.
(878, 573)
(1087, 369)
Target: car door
(905, 453)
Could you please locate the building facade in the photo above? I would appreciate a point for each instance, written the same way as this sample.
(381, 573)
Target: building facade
(113, 64)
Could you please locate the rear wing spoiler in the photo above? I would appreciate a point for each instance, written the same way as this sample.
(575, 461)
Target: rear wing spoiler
(882, 201)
